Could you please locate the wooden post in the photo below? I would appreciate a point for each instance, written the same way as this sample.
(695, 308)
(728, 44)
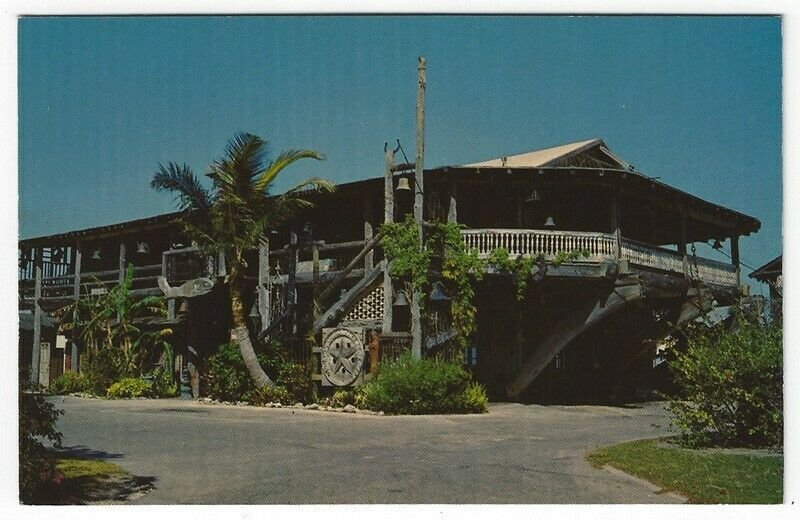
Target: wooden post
(292, 276)
(419, 194)
(76, 294)
(452, 210)
(682, 245)
(735, 258)
(615, 222)
(170, 301)
(121, 261)
(369, 260)
(388, 216)
(315, 282)
(263, 282)
(37, 317)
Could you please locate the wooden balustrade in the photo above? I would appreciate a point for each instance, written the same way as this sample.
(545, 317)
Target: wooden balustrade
(599, 246)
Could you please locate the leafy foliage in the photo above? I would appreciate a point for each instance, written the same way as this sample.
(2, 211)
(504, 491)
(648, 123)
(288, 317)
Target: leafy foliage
(69, 383)
(115, 347)
(37, 471)
(295, 378)
(271, 394)
(423, 386)
(341, 398)
(731, 385)
(130, 388)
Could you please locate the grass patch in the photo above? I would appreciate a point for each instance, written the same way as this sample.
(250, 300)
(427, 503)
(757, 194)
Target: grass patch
(94, 481)
(703, 476)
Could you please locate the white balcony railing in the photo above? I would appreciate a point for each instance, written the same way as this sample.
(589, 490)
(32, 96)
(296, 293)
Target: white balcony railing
(599, 246)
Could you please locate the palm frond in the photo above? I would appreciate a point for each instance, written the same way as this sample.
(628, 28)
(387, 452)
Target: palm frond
(266, 177)
(180, 180)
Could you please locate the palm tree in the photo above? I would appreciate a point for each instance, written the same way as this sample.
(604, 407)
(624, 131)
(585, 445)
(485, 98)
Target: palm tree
(232, 217)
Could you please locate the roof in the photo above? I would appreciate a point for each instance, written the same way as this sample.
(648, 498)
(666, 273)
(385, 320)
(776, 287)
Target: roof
(131, 225)
(768, 271)
(537, 158)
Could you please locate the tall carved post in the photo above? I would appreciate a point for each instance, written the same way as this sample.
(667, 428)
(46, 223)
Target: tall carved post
(419, 194)
(37, 317)
(76, 294)
(388, 216)
(682, 245)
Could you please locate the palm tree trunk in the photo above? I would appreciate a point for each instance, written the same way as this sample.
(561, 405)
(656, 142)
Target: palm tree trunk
(241, 336)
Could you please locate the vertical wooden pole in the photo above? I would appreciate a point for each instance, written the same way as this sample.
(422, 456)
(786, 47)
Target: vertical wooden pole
(615, 222)
(263, 282)
(37, 317)
(76, 294)
(682, 245)
(388, 216)
(369, 260)
(315, 282)
(452, 210)
(121, 261)
(419, 195)
(735, 258)
(292, 276)
(170, 301)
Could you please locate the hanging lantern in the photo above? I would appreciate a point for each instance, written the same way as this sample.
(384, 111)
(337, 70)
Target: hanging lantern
(549, 223)
(438, 294)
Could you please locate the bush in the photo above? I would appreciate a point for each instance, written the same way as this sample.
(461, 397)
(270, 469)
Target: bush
(270, 394)
(129, 388)
(70, 383)
(37, 470)
(731, 386)
(164, 384)
(297, 381)
(422, 386)
(227, 375)
(100, 371)
(342, 398)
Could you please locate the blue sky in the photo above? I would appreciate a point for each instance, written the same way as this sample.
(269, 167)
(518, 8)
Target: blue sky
(695, 101)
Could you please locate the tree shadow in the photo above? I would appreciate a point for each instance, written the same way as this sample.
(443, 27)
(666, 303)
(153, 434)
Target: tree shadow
(83, 452)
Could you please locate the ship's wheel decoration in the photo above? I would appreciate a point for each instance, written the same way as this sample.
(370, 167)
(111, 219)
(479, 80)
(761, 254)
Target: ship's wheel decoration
(342, 357)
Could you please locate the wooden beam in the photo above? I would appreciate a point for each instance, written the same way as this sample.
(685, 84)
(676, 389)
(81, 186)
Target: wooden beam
(121, 261)
(369, 259)
(351, 296)
(76, 294)
(452, 210)
(341, 275)
(37, 317)
(315, 283)
(419, 197)
(585, 314)
(289, 299)
(735, 258)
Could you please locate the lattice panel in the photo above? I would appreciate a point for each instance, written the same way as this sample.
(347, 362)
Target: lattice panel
(370, 308)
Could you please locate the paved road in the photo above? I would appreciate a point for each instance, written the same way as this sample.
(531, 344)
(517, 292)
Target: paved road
(200, 453)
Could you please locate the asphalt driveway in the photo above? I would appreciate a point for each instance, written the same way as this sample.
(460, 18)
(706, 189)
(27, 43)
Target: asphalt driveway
(209, 454)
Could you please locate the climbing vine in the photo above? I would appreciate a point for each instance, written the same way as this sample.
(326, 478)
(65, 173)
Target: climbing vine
(460, 267)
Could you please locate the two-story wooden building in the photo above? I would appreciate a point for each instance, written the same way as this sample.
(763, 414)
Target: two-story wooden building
(580, 330)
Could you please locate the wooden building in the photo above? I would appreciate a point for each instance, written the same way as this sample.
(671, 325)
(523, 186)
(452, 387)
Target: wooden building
(581, 326)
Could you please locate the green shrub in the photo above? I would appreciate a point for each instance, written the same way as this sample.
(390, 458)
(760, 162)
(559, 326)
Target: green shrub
(70, 383)
(297, 381)
(129, 388)
(422, 386)
(227, 375)
(731, 386)
(270, 394)
(37, 469)
(342, 398)
(100, 369)
(164, 385)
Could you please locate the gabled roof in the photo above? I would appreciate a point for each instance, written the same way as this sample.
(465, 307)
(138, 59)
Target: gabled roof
(768, 271)
(551, 156)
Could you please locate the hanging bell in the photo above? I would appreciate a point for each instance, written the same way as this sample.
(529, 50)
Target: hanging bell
(96, 254)
(717, 245)
(403, 184)
(400, 299)
(142, 248)
(549, 223)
